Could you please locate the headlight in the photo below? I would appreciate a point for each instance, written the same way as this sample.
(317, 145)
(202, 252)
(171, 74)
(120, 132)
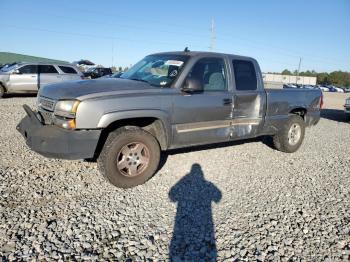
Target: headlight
(66, 108)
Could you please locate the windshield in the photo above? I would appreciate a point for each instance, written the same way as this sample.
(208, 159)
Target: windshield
(157, 70)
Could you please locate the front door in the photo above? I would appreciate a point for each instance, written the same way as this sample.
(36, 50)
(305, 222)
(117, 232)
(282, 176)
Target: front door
(249, 100)
(204, 117)
(25, 79)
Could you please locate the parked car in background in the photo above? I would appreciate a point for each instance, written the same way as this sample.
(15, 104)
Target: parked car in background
(308, 87)
(331, 89)
(335, 89)
(323, 88)
(289, 86)
(165, 101)
(347, 107)
(338, 89)
(346, 89)
(96, 72)
(4, 66)
(115, 75)
(30, 77)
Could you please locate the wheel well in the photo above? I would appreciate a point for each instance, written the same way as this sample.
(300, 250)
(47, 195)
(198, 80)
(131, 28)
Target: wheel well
(150, 124)
(3, 86)
(299, 111)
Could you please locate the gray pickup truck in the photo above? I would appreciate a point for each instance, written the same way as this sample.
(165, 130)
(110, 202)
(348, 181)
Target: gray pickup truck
(165, 101)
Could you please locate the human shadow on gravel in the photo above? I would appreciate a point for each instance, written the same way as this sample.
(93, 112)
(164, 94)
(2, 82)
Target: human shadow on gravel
(193, 235)
(335, 115)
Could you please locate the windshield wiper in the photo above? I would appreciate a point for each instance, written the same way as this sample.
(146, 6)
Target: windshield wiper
(142, 80)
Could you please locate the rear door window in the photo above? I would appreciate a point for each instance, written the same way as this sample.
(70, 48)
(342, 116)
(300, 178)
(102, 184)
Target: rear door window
(28, 69)
(245, 75)
(47, 69)
(68, 70)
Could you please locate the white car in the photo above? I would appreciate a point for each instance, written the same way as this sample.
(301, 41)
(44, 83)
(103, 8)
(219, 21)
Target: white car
(324, 89)
(340, 90)
(29, 77)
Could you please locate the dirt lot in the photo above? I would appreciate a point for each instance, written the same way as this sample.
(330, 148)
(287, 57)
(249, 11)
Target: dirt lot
(236, 202)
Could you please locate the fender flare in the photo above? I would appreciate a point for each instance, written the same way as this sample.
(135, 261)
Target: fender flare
(112, 117)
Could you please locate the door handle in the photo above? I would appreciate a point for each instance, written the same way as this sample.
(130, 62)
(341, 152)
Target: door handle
(227, 101)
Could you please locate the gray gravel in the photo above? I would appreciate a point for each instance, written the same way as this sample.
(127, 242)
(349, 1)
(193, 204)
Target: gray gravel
(252, 203)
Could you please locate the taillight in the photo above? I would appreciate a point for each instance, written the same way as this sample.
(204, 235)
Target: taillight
(82, 77)
(321, 102)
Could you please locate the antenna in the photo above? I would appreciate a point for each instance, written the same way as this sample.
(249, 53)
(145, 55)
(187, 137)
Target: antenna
(212, 35)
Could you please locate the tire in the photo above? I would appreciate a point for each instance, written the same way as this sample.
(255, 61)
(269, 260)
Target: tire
(2, 91)
(115, 155)
(285, 141)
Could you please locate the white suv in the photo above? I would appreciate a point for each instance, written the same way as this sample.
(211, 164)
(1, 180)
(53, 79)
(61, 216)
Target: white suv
(29, 77)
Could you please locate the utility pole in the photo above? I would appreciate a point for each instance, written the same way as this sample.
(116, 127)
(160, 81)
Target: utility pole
(112, 52)
(298, 70)
(212, 35)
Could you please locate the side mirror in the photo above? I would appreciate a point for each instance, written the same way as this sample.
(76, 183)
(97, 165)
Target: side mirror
(16, 72)
(192, 85)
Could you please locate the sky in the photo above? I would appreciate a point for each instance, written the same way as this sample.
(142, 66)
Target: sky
(276, 33)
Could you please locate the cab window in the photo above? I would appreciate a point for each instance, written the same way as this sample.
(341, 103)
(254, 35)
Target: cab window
(211, 73)
(245, 75)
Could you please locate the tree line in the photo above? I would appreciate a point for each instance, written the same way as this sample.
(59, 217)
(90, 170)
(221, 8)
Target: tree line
(336, 78)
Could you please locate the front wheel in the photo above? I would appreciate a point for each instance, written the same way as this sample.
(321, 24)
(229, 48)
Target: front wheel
(129, 157)
(291, 135)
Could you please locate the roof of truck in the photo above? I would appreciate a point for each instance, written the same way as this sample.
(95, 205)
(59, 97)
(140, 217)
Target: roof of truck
(199, 53)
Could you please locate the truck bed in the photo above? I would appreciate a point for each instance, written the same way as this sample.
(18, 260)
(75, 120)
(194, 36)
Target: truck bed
(281, 102)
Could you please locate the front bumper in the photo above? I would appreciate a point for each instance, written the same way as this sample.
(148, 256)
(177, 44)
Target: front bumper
(55, 142)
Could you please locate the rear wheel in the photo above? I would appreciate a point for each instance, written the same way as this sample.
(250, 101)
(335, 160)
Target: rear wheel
(291, 136)
(129, 157)
(2, 91)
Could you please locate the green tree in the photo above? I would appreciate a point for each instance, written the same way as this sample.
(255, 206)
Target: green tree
(322, 78)
(286, 72)
(339, 78)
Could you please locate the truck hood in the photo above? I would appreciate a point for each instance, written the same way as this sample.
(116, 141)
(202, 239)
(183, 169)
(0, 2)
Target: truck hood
(85, 89)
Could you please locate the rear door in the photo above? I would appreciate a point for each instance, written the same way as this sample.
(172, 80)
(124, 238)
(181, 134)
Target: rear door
(249, 99)
(204, 117)
(26, 80)
(69, 73)
(48, 74)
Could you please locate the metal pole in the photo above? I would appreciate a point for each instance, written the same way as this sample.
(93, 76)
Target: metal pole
(112, 52)
(212, 35)
(298, 70)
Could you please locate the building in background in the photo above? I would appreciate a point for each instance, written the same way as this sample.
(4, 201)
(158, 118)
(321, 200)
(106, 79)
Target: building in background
(277, 81)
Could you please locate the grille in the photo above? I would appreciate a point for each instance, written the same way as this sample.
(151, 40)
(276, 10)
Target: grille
(46, 104)
(46, 116)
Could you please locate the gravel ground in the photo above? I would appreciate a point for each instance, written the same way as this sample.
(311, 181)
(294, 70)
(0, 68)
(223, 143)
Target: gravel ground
(242, 202)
